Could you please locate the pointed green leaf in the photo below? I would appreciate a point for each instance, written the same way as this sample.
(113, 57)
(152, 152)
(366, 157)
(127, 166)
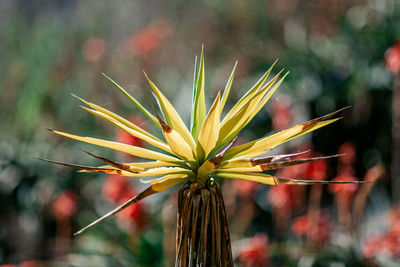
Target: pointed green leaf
(133, 150)
(199, 104)
(172, 117)
(135, 102)
(232, 126)
(250, 93)
(228, 87)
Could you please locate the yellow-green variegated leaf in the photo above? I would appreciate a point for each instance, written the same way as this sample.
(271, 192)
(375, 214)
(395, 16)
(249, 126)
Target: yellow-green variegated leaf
(152, 164)
(118, 118)
(172, 117)
(236, 163)
(164, 185)
(151, 140)
(135, 102)
(254, 177)
(253, 169)
(232, 126)
(210, 131)
(133, 150)
(166, 177)
(263, 145)
(160, 171)
(267, 97)
(165, 182)
(199, 101)
(228, 87)
(250, 93)
(147, 164)
(176, 142)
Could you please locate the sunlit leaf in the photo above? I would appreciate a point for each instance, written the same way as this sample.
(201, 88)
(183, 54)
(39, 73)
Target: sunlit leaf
(135, 102)
(210, 130)
(176, 142)
(199, 104)
(228, 87)
(172, 117)
(129, 149)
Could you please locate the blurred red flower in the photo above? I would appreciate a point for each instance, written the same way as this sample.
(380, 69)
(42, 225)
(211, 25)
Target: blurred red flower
(29, 264)
(344, 190)
(300, 225)
(394, 214)
(244, 188)
(114, 187)
(94, 49)
(387, 243)
(134, 213)
(149, 38)
(319, 233)
(371, 247)
(118, 190)
(281, 117)
(281, 197)
(316, 170)
(392, 57)
(254, 252)
(65, 205)
(348, 150)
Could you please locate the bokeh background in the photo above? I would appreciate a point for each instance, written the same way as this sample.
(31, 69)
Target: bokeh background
(339, 53)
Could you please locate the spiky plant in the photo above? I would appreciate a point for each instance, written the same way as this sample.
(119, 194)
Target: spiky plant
(197, 157)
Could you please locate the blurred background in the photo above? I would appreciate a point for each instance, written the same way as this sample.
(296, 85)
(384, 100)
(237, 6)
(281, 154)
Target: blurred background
(339, 53)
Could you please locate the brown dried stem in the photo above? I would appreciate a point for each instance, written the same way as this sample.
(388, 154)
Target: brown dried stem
(202, 228)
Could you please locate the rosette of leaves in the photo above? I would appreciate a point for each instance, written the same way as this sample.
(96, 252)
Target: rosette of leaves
(197, 157)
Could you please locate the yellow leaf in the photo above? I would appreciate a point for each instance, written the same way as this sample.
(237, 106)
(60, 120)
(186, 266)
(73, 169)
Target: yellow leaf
(257, 168)
(152, 164)
(176, 142)
(232, 126)
(172, 117)
(254, 177)
(166, 177)
(159, 172)
(151, 140)
(263, 145)
(209, 132)
(133, 150)
(118, 118)
(250, 93)
(149, 164)
(267, 97)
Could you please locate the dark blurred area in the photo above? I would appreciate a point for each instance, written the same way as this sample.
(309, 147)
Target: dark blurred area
(335, 52)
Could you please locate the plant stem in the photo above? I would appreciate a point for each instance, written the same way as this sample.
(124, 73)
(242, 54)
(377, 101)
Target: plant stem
(202, 237)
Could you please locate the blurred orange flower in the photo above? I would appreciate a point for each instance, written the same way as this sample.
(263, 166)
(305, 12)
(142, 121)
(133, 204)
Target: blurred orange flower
(392, 57)
(114, 187)
(134, 214)
(149, 38)
(65, 205)
(319, 233)
(348, 150)
(344, 190)
(254, 252)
